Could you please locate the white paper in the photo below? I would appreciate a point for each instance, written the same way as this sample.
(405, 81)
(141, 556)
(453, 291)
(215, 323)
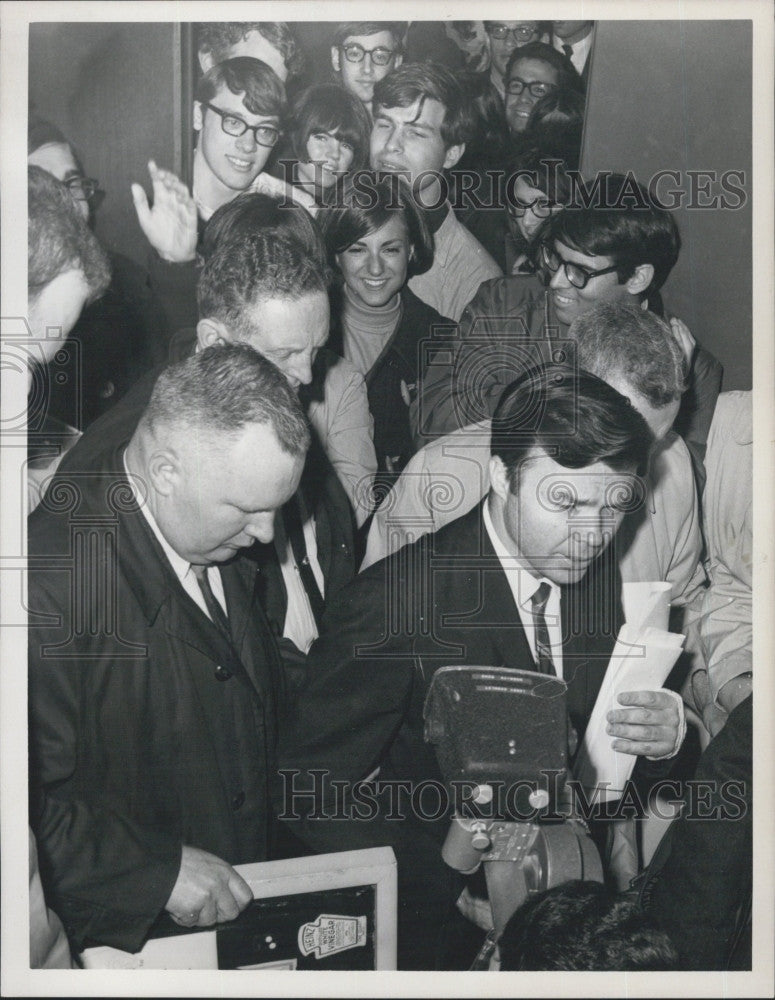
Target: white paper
(647, 603)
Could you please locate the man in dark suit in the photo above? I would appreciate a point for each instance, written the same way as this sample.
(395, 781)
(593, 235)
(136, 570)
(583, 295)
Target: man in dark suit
(155, 682)
(522, 581)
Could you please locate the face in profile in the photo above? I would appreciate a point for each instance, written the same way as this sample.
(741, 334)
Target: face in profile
(58, 160)
(374, 268)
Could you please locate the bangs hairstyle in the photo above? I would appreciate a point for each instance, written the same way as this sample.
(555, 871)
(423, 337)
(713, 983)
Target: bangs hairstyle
(546, 171)
(623, 223)
(330, 108)
(225, 388)
(574, 417)
(218, 37)
(253, 265)
(363, 205)
(260, 87)
(412, 82)
(352, 29)
(58, 239)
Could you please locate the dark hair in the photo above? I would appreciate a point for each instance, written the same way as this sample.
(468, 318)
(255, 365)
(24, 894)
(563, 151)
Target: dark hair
(622, 223)
(546, 170)
(488, 143)
(250, 211)
(260, 87)
(573, 416)
(411, 82)
(225, 388)
(583, 926)
(348, 29)
(618, 338)
(363, 205)
(557, 120)
(252, 265)
(217, 38)
(58, 238)
(328, 107)
(568, 77)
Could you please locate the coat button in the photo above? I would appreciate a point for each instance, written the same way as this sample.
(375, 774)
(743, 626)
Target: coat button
(238, 801)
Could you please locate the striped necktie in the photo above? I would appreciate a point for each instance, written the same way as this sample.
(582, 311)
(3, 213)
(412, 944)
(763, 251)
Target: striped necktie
(543, 646)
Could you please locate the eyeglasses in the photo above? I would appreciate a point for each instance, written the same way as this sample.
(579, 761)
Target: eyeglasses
(521, 34)
(82, 188)
(541, 207)
(355, 53)
(537, 88)
(266, 135)
(577, 275)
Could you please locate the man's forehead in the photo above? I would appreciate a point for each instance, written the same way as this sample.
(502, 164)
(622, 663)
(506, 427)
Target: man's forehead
(426, 111)
(379, 39)
(291, 321)
(594, 261)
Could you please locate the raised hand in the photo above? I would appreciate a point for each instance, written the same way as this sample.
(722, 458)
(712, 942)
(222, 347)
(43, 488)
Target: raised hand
(684, 338)
(170, 225)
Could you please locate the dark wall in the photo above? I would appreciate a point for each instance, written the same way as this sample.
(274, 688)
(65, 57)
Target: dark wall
(677, 96)
(115, 91)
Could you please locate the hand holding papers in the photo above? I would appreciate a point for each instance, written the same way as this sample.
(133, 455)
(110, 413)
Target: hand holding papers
(644, 655)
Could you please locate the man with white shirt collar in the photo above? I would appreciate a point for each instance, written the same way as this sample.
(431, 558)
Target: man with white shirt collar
(155, 682)
(574, 39)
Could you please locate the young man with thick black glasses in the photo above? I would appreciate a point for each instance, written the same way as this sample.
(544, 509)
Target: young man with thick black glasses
(620, 248)
(364, 52)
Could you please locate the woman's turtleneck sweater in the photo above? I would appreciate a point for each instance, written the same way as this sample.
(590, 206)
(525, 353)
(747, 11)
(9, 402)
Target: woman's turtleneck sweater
(367, 330)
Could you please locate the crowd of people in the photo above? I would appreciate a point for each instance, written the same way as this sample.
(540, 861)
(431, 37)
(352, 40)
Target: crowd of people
(386, 397)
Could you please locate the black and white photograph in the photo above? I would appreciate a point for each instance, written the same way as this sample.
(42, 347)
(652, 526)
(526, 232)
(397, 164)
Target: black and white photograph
(386, 540)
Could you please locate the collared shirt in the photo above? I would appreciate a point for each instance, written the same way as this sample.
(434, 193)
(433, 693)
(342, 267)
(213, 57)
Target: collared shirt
(523, 585)
(300, 625)
(182, 569)
(580, 49)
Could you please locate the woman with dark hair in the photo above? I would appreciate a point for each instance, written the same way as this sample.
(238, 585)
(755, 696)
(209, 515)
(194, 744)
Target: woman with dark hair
(328, 135)
(557, 119)
(377, 239)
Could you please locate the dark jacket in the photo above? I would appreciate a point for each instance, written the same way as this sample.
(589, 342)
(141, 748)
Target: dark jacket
(135, 747)
(401, 361)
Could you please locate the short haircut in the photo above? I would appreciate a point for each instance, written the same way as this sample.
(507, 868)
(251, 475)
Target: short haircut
(583, 926)
(328, 107)
(412, 82)
(621, 222)
(58, 239)
(254, 265)
(617, 338)
(568, 77)
(260, 87)
(350, 29)
(544, 169)
(225, 388)
(218, 37)
(363, 205)
(573, 416)
(251, 211)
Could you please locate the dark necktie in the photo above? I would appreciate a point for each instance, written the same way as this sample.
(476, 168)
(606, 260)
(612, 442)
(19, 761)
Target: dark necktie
(295, 532)
(543, 646)
(217, 615)
(567, 49)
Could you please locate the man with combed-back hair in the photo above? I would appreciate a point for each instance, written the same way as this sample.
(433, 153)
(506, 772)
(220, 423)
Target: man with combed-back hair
(273, 42)
(155, 681)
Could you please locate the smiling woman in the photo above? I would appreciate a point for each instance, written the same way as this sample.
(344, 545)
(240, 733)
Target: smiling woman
(381, 324)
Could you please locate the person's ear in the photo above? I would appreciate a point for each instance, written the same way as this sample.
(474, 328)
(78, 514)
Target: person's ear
(499, 478)
(453, 154)
(206, 60)
(198, 116)
(640, 280)
(164, 471)
(211, 333)
(336, 57)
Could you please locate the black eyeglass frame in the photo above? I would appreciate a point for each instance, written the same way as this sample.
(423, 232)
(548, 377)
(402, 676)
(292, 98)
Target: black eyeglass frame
(500, 33)
(247, 128)
(88, 186)
(547, 88)
(585, 274)
(356, 47)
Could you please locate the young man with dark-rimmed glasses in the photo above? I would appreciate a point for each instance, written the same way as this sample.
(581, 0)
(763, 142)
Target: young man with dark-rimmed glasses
(364, 52)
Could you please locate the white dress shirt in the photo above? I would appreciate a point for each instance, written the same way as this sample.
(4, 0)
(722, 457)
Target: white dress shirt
(523, 585)
(580, 49)
(300, 626)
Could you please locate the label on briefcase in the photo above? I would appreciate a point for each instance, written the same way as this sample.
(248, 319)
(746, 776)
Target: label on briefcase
(330, 934)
